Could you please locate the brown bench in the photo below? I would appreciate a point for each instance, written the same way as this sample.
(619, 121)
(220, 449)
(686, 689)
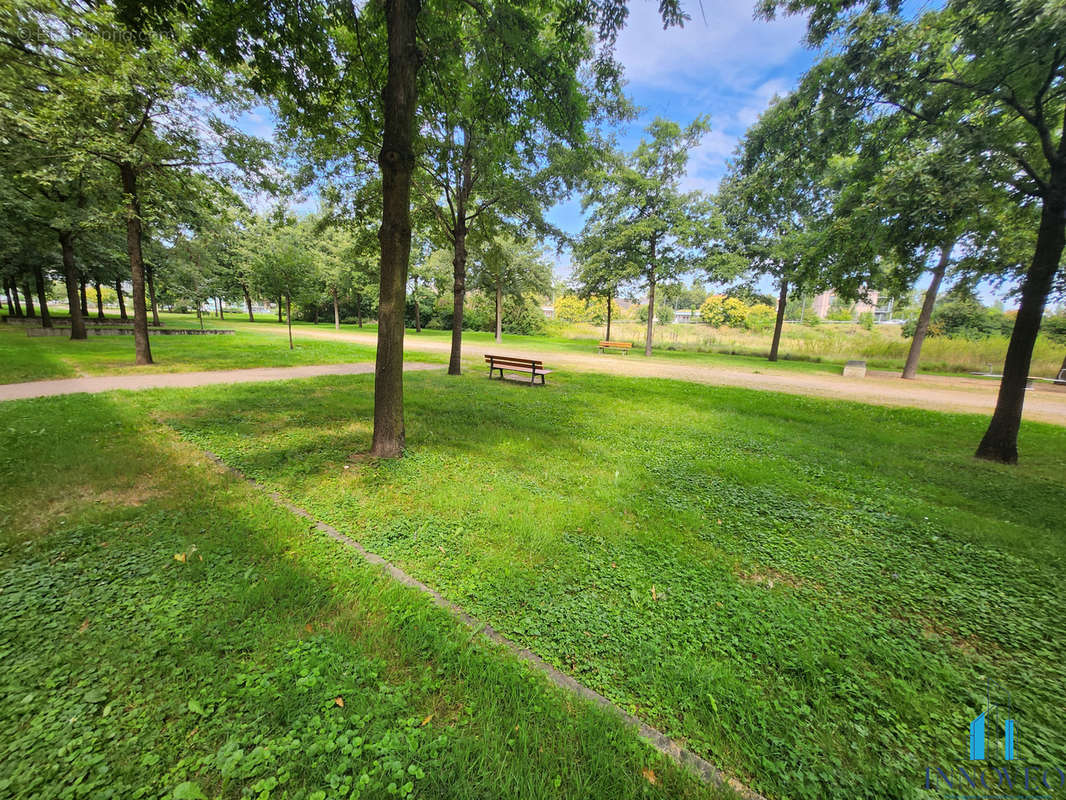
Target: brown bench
(623, 346)
(512, 364)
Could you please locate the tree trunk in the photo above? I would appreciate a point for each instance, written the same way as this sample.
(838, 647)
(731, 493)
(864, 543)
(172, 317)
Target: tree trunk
(29, 300)
(608, 317)
(133, 245)
(397, 162)
(315, 320)
(121, 301)
(81, 297)
(1000, 442)
(651, 309)
(499, 310)
(359, 309)
(99, 301)
(418, 309)
(455, 366)
(221, 311)
(200, 314)
(10, 302)
(248, 302)
(910, 368)
(288, 317)
(779, 323)
(42, 296)
(336, 311)
(77, 322)
(279, 309)
(1062, 374)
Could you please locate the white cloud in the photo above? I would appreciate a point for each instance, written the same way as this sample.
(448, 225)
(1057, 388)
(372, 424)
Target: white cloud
(731, 50)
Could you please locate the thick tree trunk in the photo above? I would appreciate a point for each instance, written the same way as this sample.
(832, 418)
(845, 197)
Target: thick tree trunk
(336, 311)
(18, 302)
(99, 300)
(248, 302)
(288, 317)
(779, 323)
(70, 275)
(42, 296)
(1000, 442)
(82, 298)
(133, 245)
(121, 301)
(910, 368)
(221, 311)
(397, 162)
(29, 300)
(279, 309)
(499, 311)
(10, 302)
(608, 317)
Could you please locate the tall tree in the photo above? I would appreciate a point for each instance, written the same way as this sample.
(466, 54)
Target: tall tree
(997, 71)
(640, 216)
(508, 265)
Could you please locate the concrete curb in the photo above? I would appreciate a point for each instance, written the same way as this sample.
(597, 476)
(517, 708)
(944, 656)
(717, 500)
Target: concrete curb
(703, 769)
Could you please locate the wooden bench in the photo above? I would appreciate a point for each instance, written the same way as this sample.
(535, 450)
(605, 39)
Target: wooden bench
(512, 364)
(623, 346)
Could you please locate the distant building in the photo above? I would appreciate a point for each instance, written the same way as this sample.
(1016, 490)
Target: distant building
(549, 312)
(686, 315)
(882, 311)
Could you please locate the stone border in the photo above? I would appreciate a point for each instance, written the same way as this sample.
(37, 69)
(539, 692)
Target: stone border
(704, 770)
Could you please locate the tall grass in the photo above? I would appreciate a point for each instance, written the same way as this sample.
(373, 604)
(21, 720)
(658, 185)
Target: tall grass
(884, 347)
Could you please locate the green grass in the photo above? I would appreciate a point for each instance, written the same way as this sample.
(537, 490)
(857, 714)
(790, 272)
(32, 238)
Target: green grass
(811, 594)
(26, 358)
(130, 673)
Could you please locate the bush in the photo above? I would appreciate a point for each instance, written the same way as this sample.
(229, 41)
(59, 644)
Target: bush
(571, 308)
(719, 311)
(964, 319)
(866, 319)
(760, 317)
(1054, 328)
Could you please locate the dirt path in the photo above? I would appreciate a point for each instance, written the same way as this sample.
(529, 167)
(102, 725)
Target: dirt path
(107, 383)
(1044, 403)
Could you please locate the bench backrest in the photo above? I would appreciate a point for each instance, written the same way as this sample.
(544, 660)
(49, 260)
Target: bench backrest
(616, 344)
(511, 361)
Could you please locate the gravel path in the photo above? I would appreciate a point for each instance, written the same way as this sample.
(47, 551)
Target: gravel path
(164, 380)
(1044, 403)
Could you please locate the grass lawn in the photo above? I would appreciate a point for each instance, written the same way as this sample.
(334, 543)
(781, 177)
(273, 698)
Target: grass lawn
(810, 594)
(24, 358)
(170, 633)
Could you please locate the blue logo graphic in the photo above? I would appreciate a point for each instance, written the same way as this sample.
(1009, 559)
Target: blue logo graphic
(979, 725)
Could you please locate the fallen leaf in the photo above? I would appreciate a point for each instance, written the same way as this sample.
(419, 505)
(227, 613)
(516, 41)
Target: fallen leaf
(179, 557)
(84, 626)
(338, 701)
(442, 549)
(653, 595)
(425, 722)
(308, 627)
(649, 776)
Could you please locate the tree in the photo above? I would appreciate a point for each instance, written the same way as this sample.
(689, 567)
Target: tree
(281, 260)
(997, 72)
(132, 102)
(641, 219)
(507, 264)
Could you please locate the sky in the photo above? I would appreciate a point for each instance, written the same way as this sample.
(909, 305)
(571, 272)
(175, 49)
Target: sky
(723, 62)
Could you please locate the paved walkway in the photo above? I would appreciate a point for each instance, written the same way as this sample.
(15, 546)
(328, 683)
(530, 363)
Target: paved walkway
(170, 380)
